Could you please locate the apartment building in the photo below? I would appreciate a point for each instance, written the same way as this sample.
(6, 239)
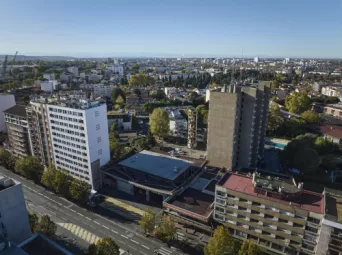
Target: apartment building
(271, 210)
(6, 101)
(237, 125)
(14, 222)
(330, 239)
(73, 70)
(17, 129)
(333, 90)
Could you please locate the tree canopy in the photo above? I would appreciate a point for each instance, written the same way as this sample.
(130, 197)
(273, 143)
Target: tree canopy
(221, 243)
(105, 246)
(275, 120)
(297, 102)
(159, 123)
(167, 229)
(148, 221)
(140, 80)
(47, 226)
(310, 117)
(79, 190)
(29, 167)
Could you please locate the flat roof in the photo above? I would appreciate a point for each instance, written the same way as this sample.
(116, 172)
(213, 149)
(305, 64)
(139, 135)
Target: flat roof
(309, 201)
(18, 110)
(157, 164)
(333, 204)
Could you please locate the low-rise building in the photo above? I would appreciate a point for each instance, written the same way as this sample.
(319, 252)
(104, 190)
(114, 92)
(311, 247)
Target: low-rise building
(331, 132)
(49, 76)
(73, 70)
(123, 120)
(271, 210)
(14, 222)
(17, 129)
(333, 90)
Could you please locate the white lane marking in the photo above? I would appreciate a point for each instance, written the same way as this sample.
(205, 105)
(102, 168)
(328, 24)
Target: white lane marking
(143, 253)
(59, 204)
(64, 218)
(88, 218)
(97, 222)
(115, 231)
(132, 247)
(134, 241)
(145, 247)
(105, 226)
(40, 193)
(80, 214)
(72, 210)
(124, 236)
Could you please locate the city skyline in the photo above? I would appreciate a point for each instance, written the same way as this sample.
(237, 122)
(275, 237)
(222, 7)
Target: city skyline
(308, 29)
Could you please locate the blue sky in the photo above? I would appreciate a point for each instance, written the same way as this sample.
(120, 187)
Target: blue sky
(292, 28)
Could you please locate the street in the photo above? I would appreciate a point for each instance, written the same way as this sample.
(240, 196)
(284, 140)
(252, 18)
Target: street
(86, 224)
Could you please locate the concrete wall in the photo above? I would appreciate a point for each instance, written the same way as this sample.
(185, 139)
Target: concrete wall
(13, 214)
(6, 101)
(221, 129)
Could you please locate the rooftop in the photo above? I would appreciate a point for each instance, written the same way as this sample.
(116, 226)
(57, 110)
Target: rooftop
(307, 200)
(157, 164)
(333, 205)
(18, 110)
(330, 130)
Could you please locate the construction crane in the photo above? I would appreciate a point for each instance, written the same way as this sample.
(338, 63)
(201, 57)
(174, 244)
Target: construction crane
(15, 56)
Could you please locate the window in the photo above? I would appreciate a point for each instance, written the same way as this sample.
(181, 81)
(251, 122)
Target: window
(99, 152)
(220, 193)
(80, 114)
(99, 139)
(97, 126)
(97, 113)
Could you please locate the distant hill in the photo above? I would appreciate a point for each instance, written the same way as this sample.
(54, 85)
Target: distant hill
(46, 58)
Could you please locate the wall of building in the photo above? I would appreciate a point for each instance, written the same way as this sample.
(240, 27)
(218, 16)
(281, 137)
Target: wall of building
(14, 214)
(223, 114)
(6, 101)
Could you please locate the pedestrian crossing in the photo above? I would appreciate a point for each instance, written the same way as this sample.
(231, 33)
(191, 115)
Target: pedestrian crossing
(80, 232)
(164, 251)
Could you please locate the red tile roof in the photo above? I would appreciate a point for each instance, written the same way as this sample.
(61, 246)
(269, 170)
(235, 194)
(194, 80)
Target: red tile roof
(330, 130)
(309, 201)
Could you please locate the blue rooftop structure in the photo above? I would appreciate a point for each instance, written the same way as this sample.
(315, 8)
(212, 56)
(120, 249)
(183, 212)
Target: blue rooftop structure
(157, 164)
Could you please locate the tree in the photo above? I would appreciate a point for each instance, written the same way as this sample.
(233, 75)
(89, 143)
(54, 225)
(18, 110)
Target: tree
(310, 117)
(324, 146)
(275, 120)
(49, 176)
(220, 243)
(135, 123)
(297, 102)
(203, 113)
(137, 92)
(92, 249)
(116, 93)
(158, 94)
(248, 248)
(34, 222)
(139, 143)
(117, 150)
(148, 221)
(47, 226)
(107, 246)
(29, 167)
(61, 183)
(159, 123)
(167, 230)
(79, 190)
(140, 80)
(5, 158)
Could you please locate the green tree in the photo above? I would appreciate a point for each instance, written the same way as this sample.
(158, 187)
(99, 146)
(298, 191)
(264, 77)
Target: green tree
(117, 150)
(159, 123)
(29, 167)
(137, 92)
(47, 226)
(28, 82)
(325, 146)
(148, 221)
(92, 249)
(49, 176)
(275, 120)
(79, 190)
(116, 93)
(167, 229)
(140, 80)
(249, 248)
(34, 222)
(139, 143)
(158, 94)
(310, 117)
(297, 102)
(61, 183)
(202, 114)
(5, 158)
(220, 243)
(107, 246)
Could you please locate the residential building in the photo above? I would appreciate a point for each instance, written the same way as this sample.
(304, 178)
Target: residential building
(72, 133)
(6, 101)
(73, 70)
(17, 129)
(332, 133)
(100, 90)
(271, 210)
(122, 120)
(333, 90)
(256, 60)
(116, 68)
(14, 222)
(47, 86)
(331, 110)
(178, 122)
(208, 91)
(237, 125)
(49, 76)
(66, 76)
(330, 238)
(317, 86)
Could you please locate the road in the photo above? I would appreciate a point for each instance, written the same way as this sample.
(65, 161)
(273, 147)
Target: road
(84, 223)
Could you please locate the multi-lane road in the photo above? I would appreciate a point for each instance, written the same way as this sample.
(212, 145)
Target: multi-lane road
(87, 225)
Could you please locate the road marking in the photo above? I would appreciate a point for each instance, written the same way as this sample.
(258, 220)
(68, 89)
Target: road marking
(114, 231)
(59, 204)
(134, 241)
(63, 218)
(40, 193)
(105, 226)
(80, 214)
(97, 222)
(145, 247)
(143, 253)
(122, 242)
(88, 218)
(124, 236)
(131, 247)
(72, 210)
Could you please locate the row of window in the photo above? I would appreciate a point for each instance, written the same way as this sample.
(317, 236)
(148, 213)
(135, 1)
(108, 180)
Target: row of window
(69, 138)
(73, 163)
(70, 156)
(60, 123)
(65, 112)
(81, 134)
(70, 172)
(70, 144)
(60, 117)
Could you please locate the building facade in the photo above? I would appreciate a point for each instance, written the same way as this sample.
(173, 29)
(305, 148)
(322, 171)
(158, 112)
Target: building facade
(274, 213)
(237, 125)
(17, 129)
(14, 222)
(6, 101)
